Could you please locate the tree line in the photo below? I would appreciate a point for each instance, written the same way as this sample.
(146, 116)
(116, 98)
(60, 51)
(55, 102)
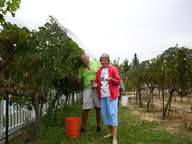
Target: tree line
(170, 71)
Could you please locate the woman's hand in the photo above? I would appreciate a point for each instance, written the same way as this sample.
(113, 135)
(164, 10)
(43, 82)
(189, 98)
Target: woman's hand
(110, 79)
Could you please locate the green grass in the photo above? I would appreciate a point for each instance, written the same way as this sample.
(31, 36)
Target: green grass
(135, 131)
(131, 130)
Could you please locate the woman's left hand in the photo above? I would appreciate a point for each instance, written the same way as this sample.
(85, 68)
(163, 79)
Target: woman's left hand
(110, 79)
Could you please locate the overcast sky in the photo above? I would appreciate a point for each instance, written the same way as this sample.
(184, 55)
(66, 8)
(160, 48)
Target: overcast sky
(117, 27)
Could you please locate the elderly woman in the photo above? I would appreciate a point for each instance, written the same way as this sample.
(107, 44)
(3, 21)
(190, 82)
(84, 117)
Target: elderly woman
(108, 81)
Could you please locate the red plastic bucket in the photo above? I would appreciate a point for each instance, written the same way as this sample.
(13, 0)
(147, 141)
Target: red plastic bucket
(72, 128)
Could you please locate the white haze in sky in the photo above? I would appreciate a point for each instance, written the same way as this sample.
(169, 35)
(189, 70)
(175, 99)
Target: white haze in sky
(117, 27)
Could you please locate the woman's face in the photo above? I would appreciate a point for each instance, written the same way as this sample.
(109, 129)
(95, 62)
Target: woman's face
(104, 62)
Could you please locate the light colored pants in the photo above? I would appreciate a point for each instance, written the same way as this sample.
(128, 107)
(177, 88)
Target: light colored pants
(90, 99)
(109, 111)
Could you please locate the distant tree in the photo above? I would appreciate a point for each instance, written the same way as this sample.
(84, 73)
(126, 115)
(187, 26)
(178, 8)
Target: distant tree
(135, 61)
(126, 66)
(135, 78)
(116, 62)
(183, 75)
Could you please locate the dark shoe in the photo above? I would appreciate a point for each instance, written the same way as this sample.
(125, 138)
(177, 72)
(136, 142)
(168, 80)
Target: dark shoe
(82, 130)
(98, 129)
